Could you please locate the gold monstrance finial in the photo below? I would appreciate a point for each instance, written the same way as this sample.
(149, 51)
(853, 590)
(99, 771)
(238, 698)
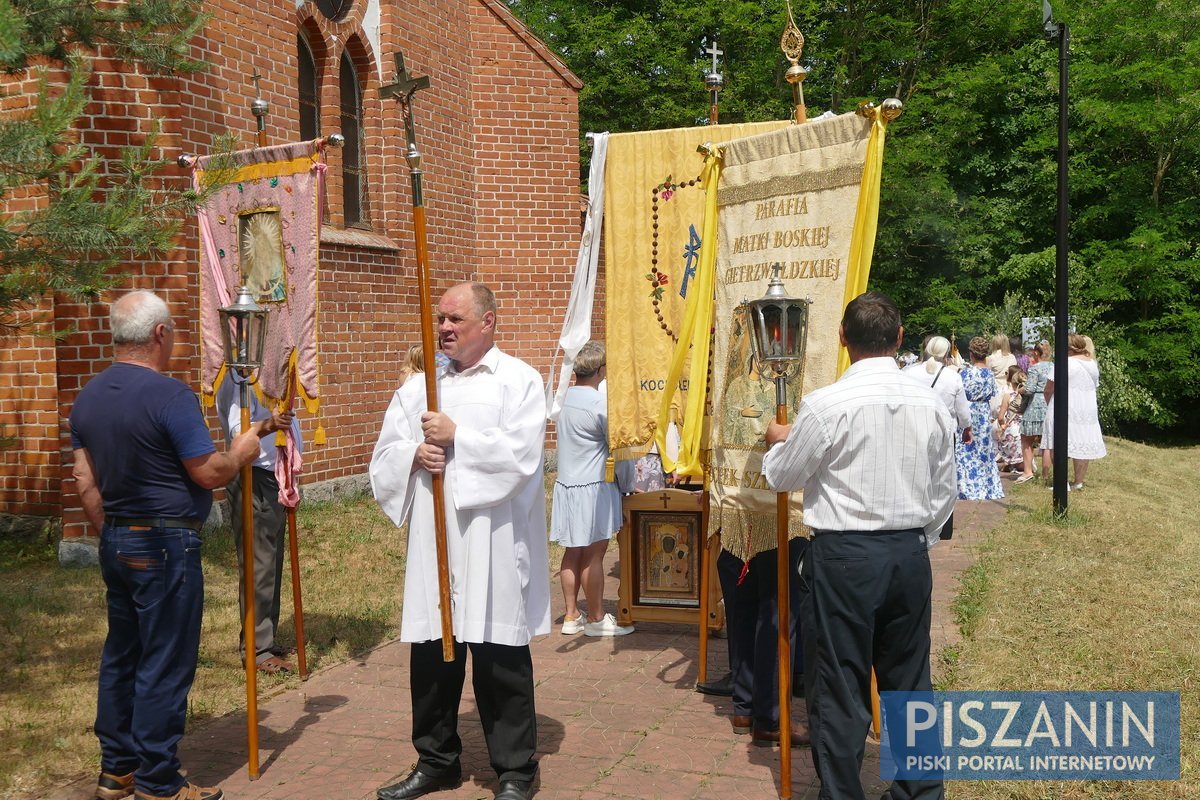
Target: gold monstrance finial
(792, 45)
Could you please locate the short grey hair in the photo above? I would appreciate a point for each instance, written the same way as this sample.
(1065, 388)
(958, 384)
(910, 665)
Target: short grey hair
(134, 316)
(589, 360)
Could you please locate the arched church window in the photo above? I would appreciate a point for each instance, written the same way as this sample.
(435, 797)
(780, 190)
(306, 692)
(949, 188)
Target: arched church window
(309, 91)
(353, 175)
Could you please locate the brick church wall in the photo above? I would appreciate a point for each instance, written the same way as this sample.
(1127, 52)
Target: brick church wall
(499, 134)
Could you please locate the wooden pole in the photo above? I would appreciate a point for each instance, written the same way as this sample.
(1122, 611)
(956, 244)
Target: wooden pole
(251, 656)
(783, 585)
(705, 581)
(294, 559)
(403, 89)
(428, 337)
(297, 602)
(876, 715)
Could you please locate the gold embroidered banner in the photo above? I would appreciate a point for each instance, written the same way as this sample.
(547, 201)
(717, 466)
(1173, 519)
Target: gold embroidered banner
(653, 217)
(789, 197)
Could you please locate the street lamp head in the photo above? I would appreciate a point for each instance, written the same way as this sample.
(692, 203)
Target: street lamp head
(244, 330)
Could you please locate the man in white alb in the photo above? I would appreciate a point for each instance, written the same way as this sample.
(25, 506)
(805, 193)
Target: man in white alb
(487, 440)
(873, 453)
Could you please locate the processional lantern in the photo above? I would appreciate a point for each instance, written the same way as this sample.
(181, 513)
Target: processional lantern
(779, 329)
(244, 330)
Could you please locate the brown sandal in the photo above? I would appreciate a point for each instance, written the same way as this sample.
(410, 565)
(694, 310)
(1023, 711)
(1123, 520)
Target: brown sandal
(275, 665)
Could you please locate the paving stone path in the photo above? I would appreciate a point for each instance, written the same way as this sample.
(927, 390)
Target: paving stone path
(617, 718)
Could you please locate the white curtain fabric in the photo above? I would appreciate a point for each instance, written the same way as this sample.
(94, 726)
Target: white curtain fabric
(577, 324)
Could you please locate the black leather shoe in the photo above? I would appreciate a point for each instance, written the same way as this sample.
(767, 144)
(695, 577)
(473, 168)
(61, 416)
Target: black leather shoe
(721, 687)
(515, 790)
(418, 784)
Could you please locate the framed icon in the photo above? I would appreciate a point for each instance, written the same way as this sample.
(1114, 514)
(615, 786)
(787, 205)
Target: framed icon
(668, 564)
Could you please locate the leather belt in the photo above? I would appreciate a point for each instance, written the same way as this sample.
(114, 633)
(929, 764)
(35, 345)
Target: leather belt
(155, 522)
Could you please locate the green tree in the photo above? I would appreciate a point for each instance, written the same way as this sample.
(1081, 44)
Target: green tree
(89, 215)
(969, 188)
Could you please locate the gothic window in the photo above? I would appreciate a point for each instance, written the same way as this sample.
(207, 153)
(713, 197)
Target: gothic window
(310, 103)
(353, 176)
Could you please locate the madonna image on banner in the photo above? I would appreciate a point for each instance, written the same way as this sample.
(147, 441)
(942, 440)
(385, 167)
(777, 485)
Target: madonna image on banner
(260, 248)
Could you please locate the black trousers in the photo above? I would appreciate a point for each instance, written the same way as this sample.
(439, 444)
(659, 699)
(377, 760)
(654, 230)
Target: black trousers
(865, 601)
(502, 677)
(751, 616)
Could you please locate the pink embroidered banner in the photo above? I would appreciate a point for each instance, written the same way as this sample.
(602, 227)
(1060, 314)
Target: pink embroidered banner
(262, 229)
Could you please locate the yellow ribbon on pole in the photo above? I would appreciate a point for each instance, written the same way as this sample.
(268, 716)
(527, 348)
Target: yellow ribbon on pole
(866, 220)
(694, 337)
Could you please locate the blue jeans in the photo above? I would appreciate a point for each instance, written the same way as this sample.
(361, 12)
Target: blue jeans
(155, 601)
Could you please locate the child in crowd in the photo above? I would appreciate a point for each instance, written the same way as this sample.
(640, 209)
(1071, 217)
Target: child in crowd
(1009, 421)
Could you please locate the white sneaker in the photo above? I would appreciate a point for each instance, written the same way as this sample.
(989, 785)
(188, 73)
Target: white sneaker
(572, 626)
(607, 626)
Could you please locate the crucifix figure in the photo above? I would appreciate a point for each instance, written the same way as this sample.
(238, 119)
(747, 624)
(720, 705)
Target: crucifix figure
(666, 498)
(403, 87)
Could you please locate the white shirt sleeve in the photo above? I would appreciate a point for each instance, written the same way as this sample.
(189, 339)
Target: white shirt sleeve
(790, 463)
(393, 479)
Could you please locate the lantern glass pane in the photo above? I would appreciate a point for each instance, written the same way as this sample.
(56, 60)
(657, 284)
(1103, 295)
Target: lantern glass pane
(795, 331)
(258, 336)
(225, 336)
(772, 323)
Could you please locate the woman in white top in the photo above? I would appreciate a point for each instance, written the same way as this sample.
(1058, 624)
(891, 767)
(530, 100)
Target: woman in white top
(938, 373)
(1085, 442)
(586, 508)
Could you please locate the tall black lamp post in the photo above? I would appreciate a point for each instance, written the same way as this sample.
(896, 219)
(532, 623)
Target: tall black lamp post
(1059, 29)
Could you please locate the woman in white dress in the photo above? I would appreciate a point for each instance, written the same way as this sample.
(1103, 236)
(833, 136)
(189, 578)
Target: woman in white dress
(939, 373)
(1085, 442)
(587, 508)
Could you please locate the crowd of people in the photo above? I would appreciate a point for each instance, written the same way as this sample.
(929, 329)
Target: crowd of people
(961, 423)
(1002, 398)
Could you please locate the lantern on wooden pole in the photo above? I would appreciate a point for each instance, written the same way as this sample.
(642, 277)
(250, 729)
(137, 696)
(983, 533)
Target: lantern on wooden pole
(778, 340)
(244, 333)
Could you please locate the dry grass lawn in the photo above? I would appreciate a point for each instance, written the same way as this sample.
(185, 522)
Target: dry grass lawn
(1107, 600)
(52, 625)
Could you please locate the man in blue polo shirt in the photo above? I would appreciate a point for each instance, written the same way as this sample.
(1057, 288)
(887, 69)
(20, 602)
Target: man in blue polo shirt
(145, 467)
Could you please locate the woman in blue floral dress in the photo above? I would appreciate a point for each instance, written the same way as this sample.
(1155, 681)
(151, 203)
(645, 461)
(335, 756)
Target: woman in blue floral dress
(978, 474)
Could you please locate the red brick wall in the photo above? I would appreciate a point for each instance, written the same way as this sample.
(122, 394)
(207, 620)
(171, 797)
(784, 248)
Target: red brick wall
(527, 150)
(29, 413)
(498, 132)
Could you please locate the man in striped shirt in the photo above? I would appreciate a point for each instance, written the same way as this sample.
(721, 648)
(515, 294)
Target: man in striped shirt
(874, 454)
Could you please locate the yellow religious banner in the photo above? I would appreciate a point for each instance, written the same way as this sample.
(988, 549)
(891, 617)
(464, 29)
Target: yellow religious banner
(789, 198)
(653, 220)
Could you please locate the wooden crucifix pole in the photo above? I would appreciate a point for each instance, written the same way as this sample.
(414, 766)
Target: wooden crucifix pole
(402, 89)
